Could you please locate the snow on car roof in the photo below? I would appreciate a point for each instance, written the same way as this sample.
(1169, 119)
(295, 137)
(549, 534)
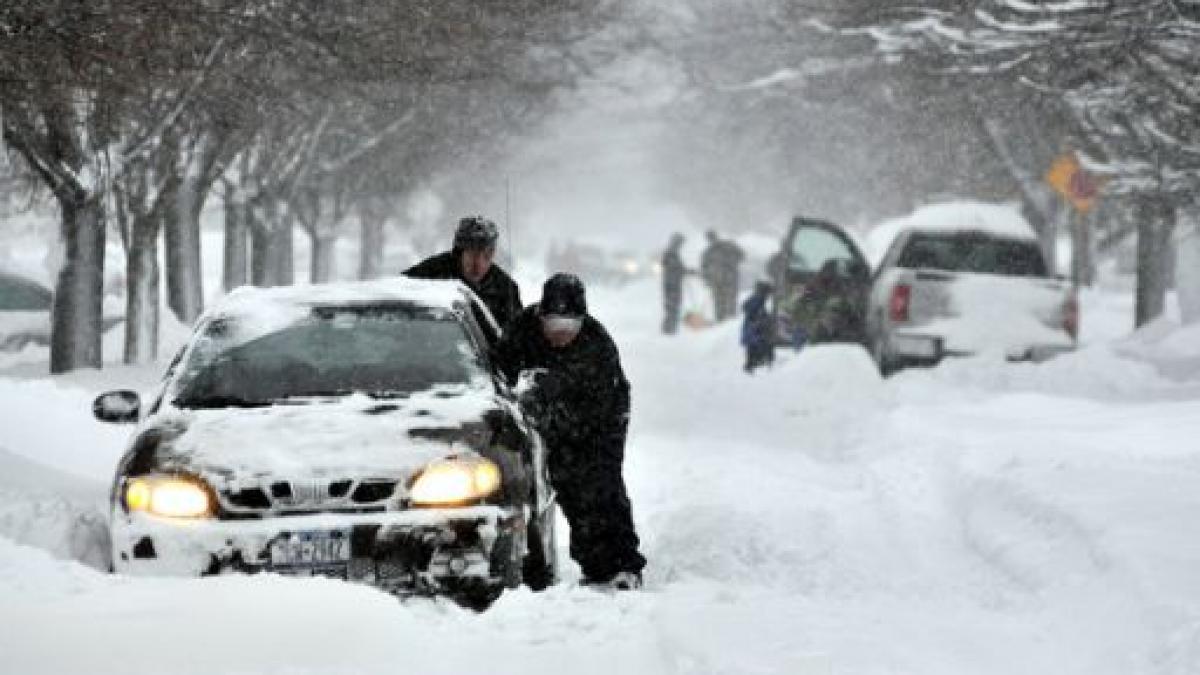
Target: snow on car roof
(259, 311)
(420, 292)
(1000, 220)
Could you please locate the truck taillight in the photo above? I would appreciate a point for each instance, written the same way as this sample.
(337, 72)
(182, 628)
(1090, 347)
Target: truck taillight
(1071, 317)
(898, 303)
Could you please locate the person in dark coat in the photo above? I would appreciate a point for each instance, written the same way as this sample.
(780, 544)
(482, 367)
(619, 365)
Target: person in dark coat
(580, 405)
(673, 271)
(758, 328)
(470, 261)
(719, 266)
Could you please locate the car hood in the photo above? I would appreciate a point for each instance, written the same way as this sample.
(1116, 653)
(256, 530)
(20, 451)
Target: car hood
(328, 439)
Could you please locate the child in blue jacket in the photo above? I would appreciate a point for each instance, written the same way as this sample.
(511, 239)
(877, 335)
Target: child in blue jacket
(758, 328)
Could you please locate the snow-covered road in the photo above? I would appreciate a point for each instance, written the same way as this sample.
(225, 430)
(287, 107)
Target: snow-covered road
(981, 518)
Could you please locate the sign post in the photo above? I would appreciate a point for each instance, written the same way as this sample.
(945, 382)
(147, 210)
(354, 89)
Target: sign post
(1080, 189)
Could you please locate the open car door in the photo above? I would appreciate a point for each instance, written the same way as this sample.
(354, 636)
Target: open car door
(821, 281)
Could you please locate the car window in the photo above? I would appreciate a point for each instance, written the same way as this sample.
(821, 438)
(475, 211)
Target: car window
(965, 252)
(20, 295)
(331, 352)
(813, 247)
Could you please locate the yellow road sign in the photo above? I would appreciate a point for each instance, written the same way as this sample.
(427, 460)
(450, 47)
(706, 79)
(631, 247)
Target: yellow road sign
(1069, 179)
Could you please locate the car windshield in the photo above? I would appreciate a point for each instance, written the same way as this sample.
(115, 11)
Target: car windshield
(813, 247)
(381, 352)
(967, 252)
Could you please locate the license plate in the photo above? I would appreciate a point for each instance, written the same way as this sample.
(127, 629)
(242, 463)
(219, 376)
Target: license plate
(310, 549)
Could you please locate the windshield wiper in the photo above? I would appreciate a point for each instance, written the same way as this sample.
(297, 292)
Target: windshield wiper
(218, 402)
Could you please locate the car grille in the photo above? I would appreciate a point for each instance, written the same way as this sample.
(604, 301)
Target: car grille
(296, 497)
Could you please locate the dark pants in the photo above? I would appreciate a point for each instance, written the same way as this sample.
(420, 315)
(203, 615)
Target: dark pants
(672, 303)
(725, 294)
(761, 354)
(591, 493)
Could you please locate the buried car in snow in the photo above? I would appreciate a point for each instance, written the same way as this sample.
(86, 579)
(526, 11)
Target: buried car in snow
(25, 312)
(349, 430)
(959, 290)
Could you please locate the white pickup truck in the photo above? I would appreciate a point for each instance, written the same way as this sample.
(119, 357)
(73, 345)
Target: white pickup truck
(942, 292)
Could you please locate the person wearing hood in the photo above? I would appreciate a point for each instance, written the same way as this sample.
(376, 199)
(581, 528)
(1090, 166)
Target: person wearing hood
(580, 405)
(470, 260)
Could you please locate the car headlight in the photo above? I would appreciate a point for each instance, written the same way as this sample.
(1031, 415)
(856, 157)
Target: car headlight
(168, 496)
(449, 482)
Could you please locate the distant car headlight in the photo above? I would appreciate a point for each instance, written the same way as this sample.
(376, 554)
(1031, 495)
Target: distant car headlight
(168, 496)
(450, 482)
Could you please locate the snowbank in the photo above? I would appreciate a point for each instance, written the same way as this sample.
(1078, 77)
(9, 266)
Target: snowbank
(1172, 349)
(53, 511)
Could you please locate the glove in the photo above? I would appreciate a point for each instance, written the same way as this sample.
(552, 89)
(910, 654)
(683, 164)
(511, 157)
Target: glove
(532, 402)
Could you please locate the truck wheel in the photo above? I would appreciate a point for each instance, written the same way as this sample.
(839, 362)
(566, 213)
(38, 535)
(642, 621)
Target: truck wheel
(887, 366)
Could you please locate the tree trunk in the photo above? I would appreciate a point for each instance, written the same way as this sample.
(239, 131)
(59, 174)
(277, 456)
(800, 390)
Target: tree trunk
(76, 318)
(271, 249)
(236, 263)
(142, 291)
(264, 270)
(1083, 268)
(370, 256)
(321, 267)
(1038, 209)
(1156, 223)
(1187, 281)
(185, 290)
(283, 241)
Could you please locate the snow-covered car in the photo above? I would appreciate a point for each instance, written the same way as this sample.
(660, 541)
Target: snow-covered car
(352, 430)
(963, 290)
(25, 307)
(821, 282)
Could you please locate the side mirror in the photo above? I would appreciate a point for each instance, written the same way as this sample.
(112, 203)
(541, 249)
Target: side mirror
(119, 407)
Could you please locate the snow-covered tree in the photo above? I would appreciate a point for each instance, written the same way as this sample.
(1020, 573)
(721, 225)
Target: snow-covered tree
(132, 110)
(1126, 72)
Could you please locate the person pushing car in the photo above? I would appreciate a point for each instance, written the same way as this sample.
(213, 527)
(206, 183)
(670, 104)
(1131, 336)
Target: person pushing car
(581, 407)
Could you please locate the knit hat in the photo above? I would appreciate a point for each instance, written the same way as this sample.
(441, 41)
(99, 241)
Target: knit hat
(474, 233)
(563, 295)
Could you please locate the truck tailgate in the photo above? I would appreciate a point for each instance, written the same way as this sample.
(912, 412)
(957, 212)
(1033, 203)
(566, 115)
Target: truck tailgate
(991, 313)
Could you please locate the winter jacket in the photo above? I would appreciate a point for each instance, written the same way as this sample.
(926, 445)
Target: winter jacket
(720, 261)
(756, 327)
(584, 396)
(497, 290)
(673, 270)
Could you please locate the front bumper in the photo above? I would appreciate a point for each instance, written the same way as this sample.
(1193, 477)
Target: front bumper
(426, 551)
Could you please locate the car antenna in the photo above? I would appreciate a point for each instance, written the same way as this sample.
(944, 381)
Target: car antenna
(512, 244)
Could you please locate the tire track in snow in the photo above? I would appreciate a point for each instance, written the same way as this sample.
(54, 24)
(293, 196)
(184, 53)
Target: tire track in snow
(1031, 541)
